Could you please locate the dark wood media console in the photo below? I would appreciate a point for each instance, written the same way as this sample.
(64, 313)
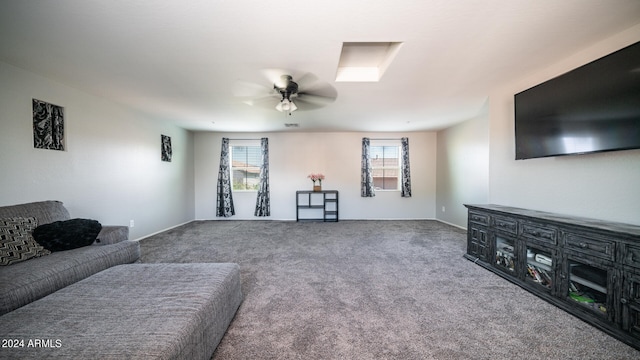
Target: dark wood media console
(589, 268)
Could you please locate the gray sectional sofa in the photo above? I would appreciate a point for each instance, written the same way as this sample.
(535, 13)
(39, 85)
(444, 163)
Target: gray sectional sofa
(99, 302)
(33, 279)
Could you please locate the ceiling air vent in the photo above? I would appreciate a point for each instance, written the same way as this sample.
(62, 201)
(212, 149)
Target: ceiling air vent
(292, 125)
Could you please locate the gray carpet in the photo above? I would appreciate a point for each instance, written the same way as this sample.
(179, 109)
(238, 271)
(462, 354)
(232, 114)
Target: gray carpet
(374, 290)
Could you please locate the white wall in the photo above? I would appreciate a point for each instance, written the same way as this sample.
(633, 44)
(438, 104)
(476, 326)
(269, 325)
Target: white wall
(110, 170)
(463, 168)
(337, 155)
(603, 186)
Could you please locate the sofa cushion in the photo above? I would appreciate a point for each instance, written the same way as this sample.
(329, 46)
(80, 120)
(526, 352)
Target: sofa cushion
(16, 242)
(111, 234)
(67, 234)
(28, 281)
(44, 211)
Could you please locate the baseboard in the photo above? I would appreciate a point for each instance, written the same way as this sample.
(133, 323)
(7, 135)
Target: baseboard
(341, 219)
(160, 231)
(451, 224)
(292, 220)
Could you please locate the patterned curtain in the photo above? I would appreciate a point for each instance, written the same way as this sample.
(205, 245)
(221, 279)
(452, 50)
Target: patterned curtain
(263, 207)
(366, 181)
(224, 202)
(406, 171)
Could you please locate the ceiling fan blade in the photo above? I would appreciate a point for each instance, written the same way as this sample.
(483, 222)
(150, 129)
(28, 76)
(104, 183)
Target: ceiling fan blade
(304, 104)
(266, 102)
(273, 75)
(249, 89)
(305, 80)
(301, 78)
(321, 93)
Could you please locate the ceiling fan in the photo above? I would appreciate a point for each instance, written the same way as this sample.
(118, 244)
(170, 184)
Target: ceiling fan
(285, 94)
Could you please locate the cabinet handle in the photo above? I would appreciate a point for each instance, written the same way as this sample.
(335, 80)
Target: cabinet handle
(624, 301)
(583, 245)
(563, 276)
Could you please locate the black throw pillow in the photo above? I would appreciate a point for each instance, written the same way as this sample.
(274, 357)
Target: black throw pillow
(67, 235)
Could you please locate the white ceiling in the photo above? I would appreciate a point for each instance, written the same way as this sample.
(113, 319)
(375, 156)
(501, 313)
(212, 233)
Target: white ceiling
(180, 60)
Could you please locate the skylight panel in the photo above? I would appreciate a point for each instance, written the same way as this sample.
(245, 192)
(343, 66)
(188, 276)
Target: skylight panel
(365, 61)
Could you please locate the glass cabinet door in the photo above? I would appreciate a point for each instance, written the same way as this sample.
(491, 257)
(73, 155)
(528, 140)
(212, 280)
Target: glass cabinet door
(540, 267)
(505, 253)
(588, 286)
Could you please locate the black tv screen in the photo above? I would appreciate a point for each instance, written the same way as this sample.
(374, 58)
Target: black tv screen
(593, 108)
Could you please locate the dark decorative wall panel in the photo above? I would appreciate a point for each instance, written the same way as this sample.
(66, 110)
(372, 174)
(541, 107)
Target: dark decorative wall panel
(48, 126)
(166, 148)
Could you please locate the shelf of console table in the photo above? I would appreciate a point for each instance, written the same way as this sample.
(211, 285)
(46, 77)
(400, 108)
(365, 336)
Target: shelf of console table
(309, 203)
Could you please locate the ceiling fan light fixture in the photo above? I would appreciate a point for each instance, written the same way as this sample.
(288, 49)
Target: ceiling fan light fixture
(286, 105)
(313, 94)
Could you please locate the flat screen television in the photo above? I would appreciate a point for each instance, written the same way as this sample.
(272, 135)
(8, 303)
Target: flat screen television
(593, 108)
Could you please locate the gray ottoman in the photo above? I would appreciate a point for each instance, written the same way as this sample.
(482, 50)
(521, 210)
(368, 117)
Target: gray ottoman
(135, 311)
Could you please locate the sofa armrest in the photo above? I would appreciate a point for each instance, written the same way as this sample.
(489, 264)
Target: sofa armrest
(111, 234)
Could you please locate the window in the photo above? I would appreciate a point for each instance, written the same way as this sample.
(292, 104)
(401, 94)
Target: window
(245, 167)
(385, 165)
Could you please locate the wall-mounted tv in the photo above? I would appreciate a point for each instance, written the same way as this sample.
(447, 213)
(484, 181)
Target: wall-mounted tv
(593, 108)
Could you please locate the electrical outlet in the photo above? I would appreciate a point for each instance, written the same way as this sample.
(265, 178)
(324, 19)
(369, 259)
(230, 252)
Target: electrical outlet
(443, 209)
(131, 223)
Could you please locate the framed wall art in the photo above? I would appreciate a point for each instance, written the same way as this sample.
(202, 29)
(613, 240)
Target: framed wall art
(48, 125)
(166, 147)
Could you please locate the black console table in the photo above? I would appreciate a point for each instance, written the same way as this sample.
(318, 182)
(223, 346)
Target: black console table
(310, 203)
(589, 268)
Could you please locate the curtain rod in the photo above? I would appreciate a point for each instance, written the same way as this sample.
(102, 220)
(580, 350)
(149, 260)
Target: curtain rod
(243, 139)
